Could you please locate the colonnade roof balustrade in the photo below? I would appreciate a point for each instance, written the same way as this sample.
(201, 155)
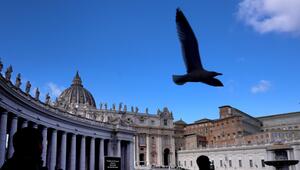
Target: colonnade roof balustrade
(64, 133)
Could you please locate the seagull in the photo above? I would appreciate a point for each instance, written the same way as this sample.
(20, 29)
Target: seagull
(191, 56)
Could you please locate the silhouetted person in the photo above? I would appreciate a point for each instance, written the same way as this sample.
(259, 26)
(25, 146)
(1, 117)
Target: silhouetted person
(28, 148)
(203, 162)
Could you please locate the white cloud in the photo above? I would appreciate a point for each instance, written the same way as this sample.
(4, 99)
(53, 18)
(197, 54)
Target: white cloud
(261, 87)
(53, 89)
(271, 15)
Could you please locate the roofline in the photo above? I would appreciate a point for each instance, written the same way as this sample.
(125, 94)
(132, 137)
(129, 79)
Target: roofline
(277, 115)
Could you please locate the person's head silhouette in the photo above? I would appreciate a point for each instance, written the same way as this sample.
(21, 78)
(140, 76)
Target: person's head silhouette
(203, 162)
(27, 142)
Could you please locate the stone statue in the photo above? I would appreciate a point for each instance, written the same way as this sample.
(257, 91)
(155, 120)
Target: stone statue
(120, 106)
(147, 111)
(136, 109)
(132, 109)
(114, 106)
(37, 94)
(105, 106)
(125, 108)
(47, 101)
(18, 81)
(101, 106)
(8, 73)
(28, 86)
(1, 66)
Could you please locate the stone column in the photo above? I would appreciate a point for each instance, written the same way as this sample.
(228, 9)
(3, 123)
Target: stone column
(130, 156)
(13, 129)
(173, 160)
(159, 151)
(24, 124)
(72, 156)
(297, 156)
(137, 151)
(118, 148)
(53, 150)
(134, 154)
(44, 153)
(109, 148)
(101, 154)
(148, 150)
(63, 151)
(82, 154)
(3, 126)
(92, 154)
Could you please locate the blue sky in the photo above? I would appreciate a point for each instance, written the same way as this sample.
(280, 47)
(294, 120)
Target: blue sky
(127, 51)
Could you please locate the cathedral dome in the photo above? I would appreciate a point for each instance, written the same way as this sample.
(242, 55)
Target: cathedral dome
(76, 96)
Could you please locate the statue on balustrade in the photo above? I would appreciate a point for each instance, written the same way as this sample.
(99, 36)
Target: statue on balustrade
(37, 94)
(120, 106)
(101, 106)
(28, 86)
(47, 101)
(18, 81)
(8, 73)
(125, 108)
(132, 110)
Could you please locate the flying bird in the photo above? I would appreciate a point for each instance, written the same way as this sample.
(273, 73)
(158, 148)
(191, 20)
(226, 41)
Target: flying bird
(191, 56)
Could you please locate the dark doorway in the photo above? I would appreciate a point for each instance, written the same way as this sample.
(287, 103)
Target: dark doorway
(166, 157)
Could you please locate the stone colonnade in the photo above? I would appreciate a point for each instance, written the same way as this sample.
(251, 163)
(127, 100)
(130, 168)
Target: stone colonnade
(65, 150)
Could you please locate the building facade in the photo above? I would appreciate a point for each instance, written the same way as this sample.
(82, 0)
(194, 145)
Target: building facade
(77, 134)
(239, 141)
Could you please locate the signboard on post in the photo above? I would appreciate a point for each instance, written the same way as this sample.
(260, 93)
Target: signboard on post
(112, 163)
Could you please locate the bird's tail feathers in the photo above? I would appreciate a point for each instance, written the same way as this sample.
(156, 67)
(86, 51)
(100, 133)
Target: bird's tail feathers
(179, 80)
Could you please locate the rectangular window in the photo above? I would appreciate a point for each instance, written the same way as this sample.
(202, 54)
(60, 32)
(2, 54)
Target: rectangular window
(184, 163)
(221, 163)
(179, 163)
(263, 163)
(240, 163)
(191, 163)
(142, 139)
(230, 163)
(251, 163)
(165, 122)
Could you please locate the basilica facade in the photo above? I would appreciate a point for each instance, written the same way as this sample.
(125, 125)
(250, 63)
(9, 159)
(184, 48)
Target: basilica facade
(77, 134)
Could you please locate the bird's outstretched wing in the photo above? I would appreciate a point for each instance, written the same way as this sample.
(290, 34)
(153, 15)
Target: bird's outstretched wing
(189, 44)
(213, 82)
